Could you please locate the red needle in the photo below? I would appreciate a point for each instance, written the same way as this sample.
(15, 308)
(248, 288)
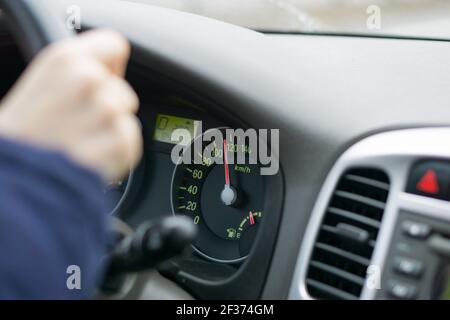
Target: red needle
(252, 220)
(225, 159)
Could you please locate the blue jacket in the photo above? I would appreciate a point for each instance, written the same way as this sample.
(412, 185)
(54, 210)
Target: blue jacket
(53, 223)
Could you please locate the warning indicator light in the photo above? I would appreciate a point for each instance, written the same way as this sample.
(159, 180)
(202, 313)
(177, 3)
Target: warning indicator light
(430, 179)
(428, 183)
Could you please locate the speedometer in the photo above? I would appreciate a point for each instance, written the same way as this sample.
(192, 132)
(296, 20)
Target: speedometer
(225, 199)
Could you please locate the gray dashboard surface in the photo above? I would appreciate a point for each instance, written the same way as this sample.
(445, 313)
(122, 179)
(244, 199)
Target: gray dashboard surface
(322, 92)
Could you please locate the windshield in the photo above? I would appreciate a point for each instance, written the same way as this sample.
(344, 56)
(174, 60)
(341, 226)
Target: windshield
(409, 18)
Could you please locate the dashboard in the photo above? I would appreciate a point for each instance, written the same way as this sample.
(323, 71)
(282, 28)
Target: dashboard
(160, 187)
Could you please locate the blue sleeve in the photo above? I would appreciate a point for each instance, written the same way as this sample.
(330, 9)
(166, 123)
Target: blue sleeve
(53, 223)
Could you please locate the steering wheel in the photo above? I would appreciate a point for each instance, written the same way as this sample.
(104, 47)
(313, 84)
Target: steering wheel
(35, 24)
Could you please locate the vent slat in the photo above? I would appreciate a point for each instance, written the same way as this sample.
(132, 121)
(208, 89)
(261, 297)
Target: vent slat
(364, 200)
(338, 265)
(330, 229)
(368, 181)
(343, 253)
(338, 272)
(354, 216)
(334, 231)
(330, 290)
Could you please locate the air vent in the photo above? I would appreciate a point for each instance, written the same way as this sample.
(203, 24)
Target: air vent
(347, 235)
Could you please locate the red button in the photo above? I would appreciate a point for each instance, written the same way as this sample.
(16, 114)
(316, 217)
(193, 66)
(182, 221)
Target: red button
(428, 183)
(430, 179)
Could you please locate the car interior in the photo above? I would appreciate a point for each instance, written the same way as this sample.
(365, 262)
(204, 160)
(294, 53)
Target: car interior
(360, 205)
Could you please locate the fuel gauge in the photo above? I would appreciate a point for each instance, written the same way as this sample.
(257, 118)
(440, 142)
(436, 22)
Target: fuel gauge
(247, 230)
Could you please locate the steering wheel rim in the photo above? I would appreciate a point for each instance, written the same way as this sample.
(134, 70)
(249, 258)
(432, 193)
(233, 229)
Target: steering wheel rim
(35, 23)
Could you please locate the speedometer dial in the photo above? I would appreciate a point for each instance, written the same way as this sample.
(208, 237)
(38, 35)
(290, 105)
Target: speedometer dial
(224, 200)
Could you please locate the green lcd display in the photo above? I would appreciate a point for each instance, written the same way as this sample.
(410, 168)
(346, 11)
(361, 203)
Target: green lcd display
(167, 124)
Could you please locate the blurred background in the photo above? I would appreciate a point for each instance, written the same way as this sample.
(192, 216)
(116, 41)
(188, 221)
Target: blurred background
(415, 18)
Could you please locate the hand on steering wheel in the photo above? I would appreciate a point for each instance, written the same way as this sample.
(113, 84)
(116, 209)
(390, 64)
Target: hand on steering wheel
(73, 98)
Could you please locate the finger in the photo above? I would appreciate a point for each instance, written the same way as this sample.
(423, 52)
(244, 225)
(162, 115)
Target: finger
(130, 137)
(107, 46)
(114, 97)
(100, 153)
(116, 149)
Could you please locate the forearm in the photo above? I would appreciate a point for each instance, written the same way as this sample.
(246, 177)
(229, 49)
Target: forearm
(52, 216)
